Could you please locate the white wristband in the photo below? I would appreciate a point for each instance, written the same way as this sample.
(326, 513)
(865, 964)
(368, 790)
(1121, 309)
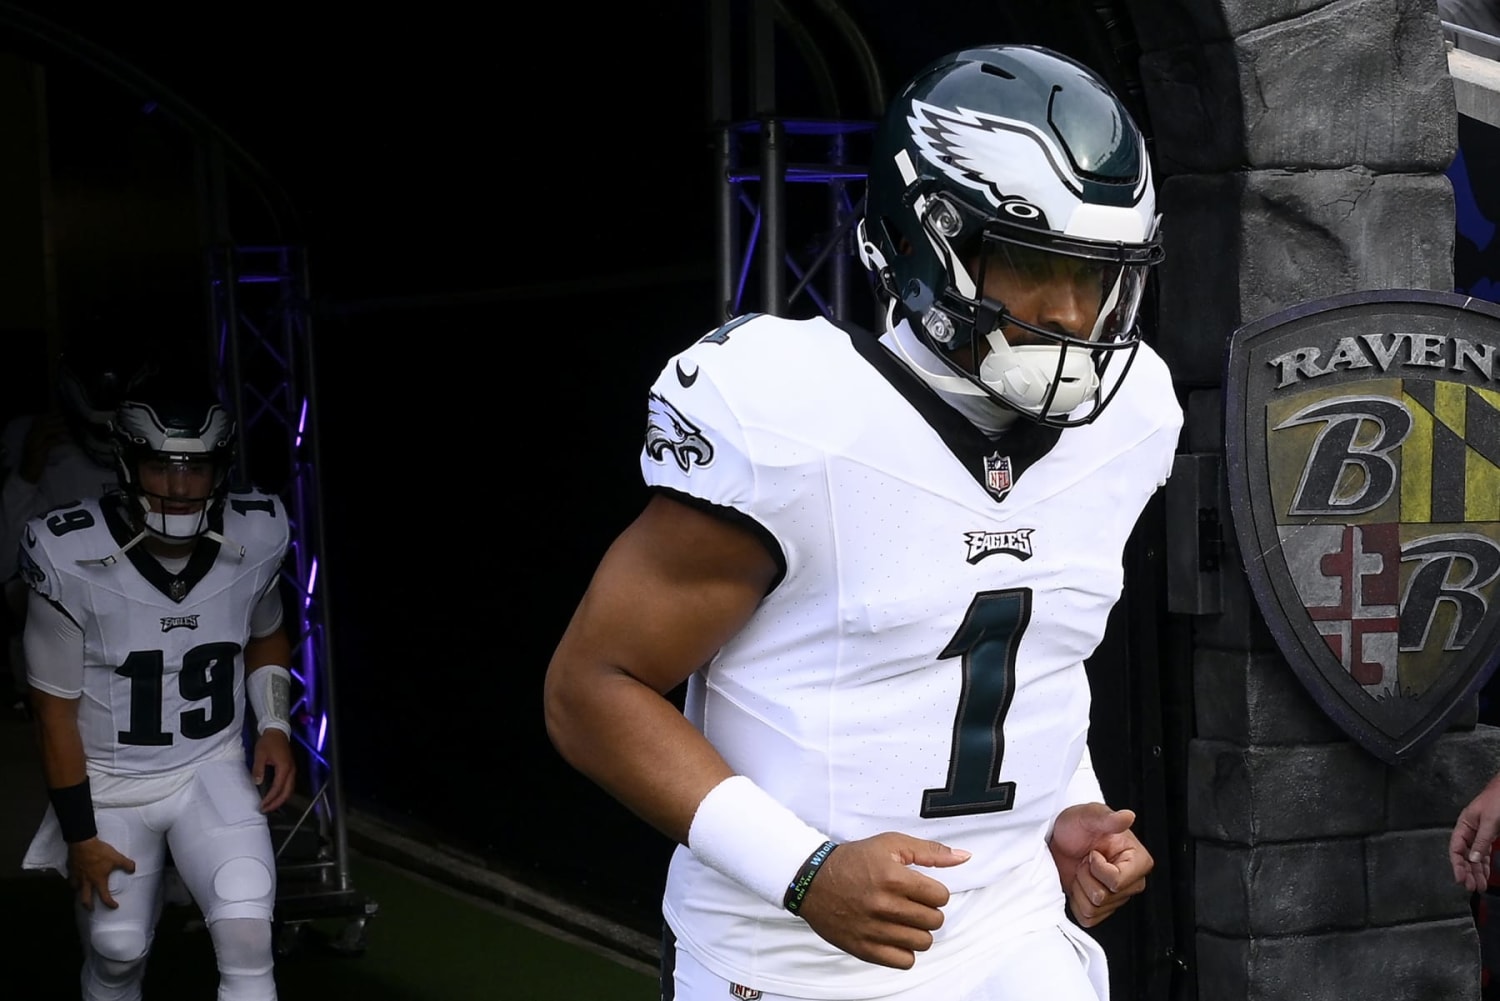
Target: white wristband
(740, 831)
(269, 691)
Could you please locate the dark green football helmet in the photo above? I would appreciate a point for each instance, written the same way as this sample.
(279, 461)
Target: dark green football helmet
(1014, 157)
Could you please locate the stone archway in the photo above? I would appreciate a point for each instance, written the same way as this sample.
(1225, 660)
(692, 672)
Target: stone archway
(1300, 148)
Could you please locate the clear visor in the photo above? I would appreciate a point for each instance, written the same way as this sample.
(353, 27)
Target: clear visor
(179, 484)
(1094, 298)
(1008, 260)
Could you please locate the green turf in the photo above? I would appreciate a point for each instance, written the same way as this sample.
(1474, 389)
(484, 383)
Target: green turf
(426, 943)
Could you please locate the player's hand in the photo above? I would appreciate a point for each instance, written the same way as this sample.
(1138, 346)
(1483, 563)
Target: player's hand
(1473, 838)
(1100, 861)
(46, 432)
(868, 902)
(273, 756)
(89, 866)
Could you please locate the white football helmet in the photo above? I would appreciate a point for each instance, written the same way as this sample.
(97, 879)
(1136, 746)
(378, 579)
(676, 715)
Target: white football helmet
(177, 432)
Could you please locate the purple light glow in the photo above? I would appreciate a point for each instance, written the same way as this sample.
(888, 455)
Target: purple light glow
(739, 288)
(301, 423)
(312, 579)
(322, 731)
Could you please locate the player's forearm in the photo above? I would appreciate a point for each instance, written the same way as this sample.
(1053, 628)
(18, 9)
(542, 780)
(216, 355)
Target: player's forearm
(635, 744)
(63, 761)
(268, 681)
(274, 648)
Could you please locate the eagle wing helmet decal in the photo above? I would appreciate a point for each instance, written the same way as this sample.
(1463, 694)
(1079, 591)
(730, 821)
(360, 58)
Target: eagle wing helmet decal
(967, 145)
(667, 430)
(974, 149)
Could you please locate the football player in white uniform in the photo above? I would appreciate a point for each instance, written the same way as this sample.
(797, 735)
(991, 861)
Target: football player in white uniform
(49, 459)
(154, 617)
(880, 564)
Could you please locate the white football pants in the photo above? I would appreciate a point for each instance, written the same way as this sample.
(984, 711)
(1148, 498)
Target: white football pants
(1061, 963)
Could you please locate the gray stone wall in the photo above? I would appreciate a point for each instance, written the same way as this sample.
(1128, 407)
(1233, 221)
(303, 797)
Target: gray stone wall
(1300, 148)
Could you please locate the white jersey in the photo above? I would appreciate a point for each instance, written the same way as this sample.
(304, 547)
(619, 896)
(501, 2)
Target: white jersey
(919, 666)
(163, 687)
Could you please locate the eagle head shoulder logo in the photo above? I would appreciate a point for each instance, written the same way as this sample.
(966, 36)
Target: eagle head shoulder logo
(29, 570)
(669, 432)
(1362, 439)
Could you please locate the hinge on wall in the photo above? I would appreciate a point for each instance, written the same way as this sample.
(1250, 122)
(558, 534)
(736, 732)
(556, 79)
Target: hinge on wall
(1195, 535)
(1210, 540)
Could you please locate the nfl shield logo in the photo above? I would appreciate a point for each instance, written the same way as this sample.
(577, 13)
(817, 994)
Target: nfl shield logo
(997, 475)
(1362, 434)
(743, 993)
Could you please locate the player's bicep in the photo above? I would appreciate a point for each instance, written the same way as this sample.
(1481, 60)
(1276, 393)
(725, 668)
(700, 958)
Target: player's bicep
(676, 585)
(53, 643)
(265, 618)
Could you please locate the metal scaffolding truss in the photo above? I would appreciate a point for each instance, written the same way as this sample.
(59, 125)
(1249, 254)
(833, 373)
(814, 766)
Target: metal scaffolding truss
(753, 216)
(790, 186)
(262, 329)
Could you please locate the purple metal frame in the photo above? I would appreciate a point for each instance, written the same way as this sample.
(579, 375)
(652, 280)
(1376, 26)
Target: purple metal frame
(263, 346)
(765, 241)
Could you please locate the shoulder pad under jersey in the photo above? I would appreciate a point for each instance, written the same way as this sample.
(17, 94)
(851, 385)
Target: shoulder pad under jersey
(257, 520)
(60, 539)
(764, 362)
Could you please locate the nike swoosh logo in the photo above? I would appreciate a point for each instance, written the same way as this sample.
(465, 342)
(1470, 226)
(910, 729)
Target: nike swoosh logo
(685, 379)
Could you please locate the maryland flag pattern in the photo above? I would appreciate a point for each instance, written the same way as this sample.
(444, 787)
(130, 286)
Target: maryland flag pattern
(1365, 475)
(1410, 572)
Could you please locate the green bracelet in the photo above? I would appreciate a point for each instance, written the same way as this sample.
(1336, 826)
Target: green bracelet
(797, 889)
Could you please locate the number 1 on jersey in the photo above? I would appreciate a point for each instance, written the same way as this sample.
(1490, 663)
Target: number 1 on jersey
(986, 641)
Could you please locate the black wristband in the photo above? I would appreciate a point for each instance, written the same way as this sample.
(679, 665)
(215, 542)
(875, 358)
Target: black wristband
(797, 888)
(74, 806)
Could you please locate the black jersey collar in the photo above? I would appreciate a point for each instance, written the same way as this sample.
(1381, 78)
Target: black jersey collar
(174, 586)
(994, 463)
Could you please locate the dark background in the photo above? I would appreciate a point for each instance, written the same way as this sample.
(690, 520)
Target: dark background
(509, 224)
(507, 233)
(509, 227)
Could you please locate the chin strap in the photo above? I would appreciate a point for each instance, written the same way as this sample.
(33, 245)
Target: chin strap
(960, 393)
(228, 545)
(233, 548)
(114, 557)
(990, 315)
